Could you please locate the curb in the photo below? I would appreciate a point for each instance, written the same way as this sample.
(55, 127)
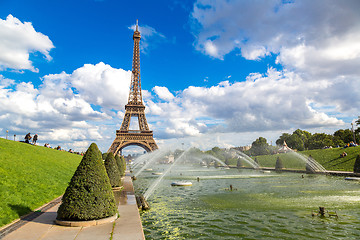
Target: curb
(86, 223)
(117, 188)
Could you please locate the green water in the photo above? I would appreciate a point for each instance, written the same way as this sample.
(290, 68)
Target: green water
(263, 206)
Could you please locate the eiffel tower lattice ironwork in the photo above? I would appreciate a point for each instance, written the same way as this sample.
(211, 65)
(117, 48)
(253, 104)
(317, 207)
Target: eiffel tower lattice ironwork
(134, 108)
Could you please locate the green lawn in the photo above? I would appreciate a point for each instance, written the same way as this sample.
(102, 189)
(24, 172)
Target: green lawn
(31, 176)
(329, 158)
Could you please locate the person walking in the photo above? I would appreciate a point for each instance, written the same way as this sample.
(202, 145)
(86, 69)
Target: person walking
(35, 138)
(27, 138)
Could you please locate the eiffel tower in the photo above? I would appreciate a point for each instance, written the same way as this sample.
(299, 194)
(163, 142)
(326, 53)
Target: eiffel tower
(134, 108)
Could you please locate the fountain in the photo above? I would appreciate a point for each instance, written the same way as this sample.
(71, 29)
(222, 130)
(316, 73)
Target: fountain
(153, 156)
(311, 165)
(264, 205)
(156, 183)
(246, 158)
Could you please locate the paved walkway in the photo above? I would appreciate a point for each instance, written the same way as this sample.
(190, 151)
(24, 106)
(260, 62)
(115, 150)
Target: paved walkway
(127, 227)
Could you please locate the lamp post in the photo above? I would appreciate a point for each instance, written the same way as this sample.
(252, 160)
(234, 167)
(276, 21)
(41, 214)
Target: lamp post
(7, 132)
(352, 129)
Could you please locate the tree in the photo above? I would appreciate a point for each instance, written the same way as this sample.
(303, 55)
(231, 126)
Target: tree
(112, 170)
(357, 124)
(260, 147)
(345, 135)
(284, 137)
(217, 152)
(338, 142)
(357, 164)
(89, 195)
(295, 142)
(320, 140)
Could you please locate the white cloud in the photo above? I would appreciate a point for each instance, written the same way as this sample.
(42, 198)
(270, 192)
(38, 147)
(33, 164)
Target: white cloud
(320, 38)
(317, 44)
(103, 85)
(64, 108)
(18, 41)
(211, 49)
(163, 93)
(271, 102)
(266, 103)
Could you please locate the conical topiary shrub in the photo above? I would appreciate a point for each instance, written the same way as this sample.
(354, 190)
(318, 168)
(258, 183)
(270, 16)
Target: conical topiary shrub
(119, 164)
(89, 195)
(123, 164)
(104, 155)
(357, 164)
(279, 165)
(112, 170)
(239, 164)
(120, 161)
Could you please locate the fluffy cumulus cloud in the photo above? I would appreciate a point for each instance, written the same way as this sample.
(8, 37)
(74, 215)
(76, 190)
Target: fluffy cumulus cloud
(65, 108)
(320, 38)
(18, 41)
(163, 93)
(273, 101)
(315, 42)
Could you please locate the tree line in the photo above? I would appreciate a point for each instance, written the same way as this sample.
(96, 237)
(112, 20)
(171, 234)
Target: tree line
(301, 140)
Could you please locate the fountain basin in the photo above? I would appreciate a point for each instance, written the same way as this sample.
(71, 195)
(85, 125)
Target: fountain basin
(181, 184)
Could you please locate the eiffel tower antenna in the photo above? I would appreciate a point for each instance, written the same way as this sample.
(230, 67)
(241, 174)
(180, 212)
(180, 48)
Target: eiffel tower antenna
(134, 108)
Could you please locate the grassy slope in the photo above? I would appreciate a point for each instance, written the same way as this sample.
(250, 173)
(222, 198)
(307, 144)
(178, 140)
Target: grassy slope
(328, 158)
(31, 176)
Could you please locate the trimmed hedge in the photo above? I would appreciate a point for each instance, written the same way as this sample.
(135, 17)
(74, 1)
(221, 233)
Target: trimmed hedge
(120, 161)
(279, 164)
(89, 195)
(357, 164)
(112, 170)
(104, 155)
(239, 163)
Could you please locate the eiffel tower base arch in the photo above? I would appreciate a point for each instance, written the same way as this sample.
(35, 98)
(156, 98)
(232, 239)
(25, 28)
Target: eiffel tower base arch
(142, 139)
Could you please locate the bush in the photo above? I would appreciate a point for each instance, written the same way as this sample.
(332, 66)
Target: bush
(112, 170)
(357, 164)
(104, 155)
(120, 162)
(89, 195)
(279, 165)
(239, 164)
(123, 162)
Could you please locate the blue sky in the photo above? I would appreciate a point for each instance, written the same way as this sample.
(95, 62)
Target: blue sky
(213, 72)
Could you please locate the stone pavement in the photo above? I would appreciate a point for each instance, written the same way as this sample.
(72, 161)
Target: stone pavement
(127, 227)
